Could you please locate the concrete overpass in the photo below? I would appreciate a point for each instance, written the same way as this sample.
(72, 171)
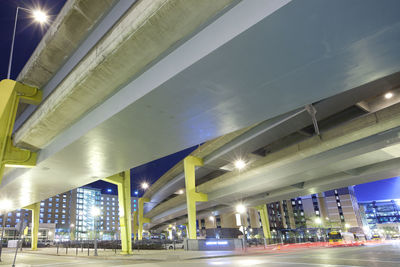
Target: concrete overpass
(288, 159)
(128, 82)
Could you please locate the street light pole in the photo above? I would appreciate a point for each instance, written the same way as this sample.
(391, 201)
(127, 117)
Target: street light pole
(2, 233)
(95, 236)
(38, 15)
(95, 214)
(12, 44)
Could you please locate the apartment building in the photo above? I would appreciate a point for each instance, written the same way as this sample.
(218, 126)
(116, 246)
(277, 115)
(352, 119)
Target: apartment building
(69, 216)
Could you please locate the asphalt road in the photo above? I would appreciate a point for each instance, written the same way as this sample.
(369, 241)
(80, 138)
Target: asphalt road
(372, 255)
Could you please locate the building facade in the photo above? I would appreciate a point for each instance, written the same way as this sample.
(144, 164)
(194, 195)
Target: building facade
(299, 217)
(381, 214)
(69, 216)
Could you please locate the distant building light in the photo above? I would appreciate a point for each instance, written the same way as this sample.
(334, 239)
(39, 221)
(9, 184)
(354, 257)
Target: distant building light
(109, 190)
(136, 193)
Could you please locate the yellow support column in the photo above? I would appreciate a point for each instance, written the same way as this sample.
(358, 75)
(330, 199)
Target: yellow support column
(123, 181)
(135, 224)
(35, 208)
(10, 94)
(142, 219)
(192, 196)
(264, 220)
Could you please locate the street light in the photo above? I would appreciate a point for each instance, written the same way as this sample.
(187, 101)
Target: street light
(145, 185)
(5, 205)
(95, 212)
(38, 16)
(239, 164)
(318, 221)
(388, 95)
(240, 208)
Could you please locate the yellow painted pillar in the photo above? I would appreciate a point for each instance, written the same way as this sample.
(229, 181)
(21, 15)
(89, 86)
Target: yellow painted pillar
(192, 196)
(72, 233)
(264, 220)
(11, 92)
(142, 219)
(135, 224)
(123, 181)
(35, 208)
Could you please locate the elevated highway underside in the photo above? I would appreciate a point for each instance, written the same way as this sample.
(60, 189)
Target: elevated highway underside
(353, 151)
(130, 100)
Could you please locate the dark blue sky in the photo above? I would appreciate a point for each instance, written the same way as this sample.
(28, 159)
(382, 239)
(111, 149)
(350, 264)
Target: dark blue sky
(379, 190)
(29, 35)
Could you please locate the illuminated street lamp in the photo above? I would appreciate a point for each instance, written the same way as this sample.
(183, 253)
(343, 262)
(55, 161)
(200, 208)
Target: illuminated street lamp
(5, 205)
(38, 16)
(95, 213)
(318, 221)
(145, 185)
(388, 95)
(240, 208)
(239, 164)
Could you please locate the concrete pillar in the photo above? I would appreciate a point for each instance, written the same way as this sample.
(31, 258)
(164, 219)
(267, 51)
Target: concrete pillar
(35, 208)
(264, 220)
(135, 225)
(123, 182)
(142, 219)
(192, 196)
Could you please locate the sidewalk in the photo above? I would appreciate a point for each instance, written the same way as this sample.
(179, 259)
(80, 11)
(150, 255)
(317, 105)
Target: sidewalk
(166, 255)
(152, 255)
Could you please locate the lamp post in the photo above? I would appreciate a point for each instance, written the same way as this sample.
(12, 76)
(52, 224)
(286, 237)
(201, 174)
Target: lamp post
(240, 209)
(4, 206)
(38, 16)
(95, 214)
(318, 221)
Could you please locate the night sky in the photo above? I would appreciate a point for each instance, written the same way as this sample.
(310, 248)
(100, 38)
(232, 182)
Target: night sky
(29, 35)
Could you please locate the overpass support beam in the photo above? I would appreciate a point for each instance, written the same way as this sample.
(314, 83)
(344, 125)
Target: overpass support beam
(192, 196)
(11, 92)
(142, 219)
(123, 181)
(35, 208)
(264, 220)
